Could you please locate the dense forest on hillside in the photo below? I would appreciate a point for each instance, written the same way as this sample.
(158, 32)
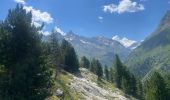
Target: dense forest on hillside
(30, 67)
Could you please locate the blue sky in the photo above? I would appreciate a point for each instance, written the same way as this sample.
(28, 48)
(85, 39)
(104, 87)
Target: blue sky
(134, 19)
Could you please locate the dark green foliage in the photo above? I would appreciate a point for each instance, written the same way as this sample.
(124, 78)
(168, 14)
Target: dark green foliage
(99, 70)
(124, 79)
(112, 75)
(155, 87)
(96, 68)
(106, 72)
(119, 71)
(85, 62)
(139, 90)
(24, 73)
(69, 57)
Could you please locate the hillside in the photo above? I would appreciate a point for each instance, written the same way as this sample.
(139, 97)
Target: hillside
(153, 53)
(85, 86)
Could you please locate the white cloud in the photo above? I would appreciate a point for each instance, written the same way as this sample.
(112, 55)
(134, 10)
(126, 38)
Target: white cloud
(39, 16)
(100, 17)
(57, 29)
(124, 6)
(20, 2)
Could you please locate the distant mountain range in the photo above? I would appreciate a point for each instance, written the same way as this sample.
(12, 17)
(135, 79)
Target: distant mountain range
(100, 47)
(154, 51)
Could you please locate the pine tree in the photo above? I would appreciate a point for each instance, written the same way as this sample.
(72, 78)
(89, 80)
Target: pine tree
(69, 57)
(112, 75)
(93, 67)
(54, 52)
(106, 72)
(119, 71)
(99, 69)
(85, 62)
(96, 68)
(155, 87)
(139, 90)
(25, 74)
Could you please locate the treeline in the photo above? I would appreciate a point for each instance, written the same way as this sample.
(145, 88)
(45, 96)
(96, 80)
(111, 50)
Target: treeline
(155, 87)
(27, 63)
(118, 74)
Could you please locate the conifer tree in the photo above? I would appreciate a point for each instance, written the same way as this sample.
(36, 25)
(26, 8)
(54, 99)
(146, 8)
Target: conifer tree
(26, 75)
(85, 62)
(119, 71)
(69, 57)
(54, 52)
(99, 69)
(155, 87)
(106, 72)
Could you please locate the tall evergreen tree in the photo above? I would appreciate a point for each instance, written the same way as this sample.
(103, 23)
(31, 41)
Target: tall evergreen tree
(54, 52)
(70, 59)
(85, 62)
(155, 87)
(106, 72)
(139, 90)
(112, 75)
(26, 75)
(99, 69)
(96, 68)
(119, 71)
(93, 67)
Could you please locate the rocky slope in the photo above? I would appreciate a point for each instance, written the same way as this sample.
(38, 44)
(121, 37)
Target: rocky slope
(85, 86)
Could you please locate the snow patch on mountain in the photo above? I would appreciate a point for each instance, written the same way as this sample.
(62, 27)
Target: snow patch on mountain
(57, 29)
(84, 42)
(124, 41)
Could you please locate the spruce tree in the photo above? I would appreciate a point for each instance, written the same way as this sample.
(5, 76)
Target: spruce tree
(54, 52)
(69, 57)
(93, 67)
(85, 62)
(139, 90)
(119, 71)
(25, 73)
(106, 72)
(155, 87)
(99, 69)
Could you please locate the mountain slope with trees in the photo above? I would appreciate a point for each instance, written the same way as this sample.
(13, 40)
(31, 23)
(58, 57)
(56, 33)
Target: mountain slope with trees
(153, 53)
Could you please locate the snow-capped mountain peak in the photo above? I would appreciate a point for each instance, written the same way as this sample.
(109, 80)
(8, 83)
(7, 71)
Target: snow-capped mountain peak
(124, 41)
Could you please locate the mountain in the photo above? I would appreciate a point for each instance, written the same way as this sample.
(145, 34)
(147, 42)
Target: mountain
(131, 44)
(154, 51)
(100, 47)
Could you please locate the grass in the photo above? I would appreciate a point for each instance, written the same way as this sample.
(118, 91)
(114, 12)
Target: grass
(62, 82)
